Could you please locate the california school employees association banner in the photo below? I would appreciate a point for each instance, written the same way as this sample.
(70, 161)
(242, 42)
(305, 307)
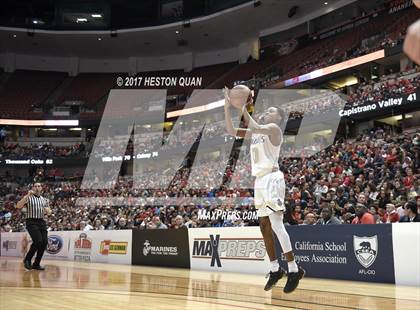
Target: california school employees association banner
(347, 252)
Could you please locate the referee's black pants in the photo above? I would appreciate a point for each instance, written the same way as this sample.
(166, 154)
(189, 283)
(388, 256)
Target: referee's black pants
(37, 229)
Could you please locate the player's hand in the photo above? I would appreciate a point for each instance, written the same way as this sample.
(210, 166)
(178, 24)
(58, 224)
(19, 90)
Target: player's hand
(227, 99)
(412, 42)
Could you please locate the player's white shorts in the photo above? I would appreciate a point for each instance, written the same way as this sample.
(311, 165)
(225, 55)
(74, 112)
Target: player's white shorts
(269, 192)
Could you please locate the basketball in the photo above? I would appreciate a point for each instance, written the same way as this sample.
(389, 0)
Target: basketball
(239, 96)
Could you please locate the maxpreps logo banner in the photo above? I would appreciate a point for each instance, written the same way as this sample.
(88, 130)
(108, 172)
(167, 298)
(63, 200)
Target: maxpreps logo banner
(161, 247)
(235, 249)
(347, 252)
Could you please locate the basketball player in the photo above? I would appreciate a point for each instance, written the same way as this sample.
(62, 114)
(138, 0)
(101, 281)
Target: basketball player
(36, 206)
(269, 188)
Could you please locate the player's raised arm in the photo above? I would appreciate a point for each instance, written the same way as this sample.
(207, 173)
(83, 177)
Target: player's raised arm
(238, 132)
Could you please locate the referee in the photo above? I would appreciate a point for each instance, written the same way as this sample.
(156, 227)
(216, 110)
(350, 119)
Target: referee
(36, 206)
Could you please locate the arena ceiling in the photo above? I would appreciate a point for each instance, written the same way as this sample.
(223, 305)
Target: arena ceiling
(221, 30)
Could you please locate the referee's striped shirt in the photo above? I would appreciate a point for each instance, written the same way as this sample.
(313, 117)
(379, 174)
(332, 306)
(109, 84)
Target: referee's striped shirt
(35, 207)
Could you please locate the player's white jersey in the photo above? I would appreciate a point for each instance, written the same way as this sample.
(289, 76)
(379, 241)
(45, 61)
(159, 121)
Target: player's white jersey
(264, 155)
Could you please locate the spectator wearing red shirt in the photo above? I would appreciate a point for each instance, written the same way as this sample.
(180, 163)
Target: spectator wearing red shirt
(347, 179)
(361, 163)
(391, 157)
(362, 215)
(391, 215)
(409, 179)
(338, 170)
(295, 193)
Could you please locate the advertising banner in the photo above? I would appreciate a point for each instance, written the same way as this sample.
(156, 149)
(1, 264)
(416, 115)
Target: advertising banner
(113, 247)
(232, 249)
(161, 247)
(373, 253)
(101, 246)
(15, 244)
(58, 245)
(347, 252)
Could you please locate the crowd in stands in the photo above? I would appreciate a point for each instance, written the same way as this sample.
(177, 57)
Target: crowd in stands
(326, 59)
(374, 179)
(12, 150)
(369, 180)
(387, 87)
(151, 140)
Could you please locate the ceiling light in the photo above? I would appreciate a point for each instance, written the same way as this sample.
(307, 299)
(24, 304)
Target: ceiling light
(177, 32)
(37, 21)
(326, 3)
(97, 15)
(99, 39)
(14, 36)
(81, 20)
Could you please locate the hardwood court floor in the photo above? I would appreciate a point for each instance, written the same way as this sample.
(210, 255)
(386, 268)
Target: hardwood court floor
(74, 285)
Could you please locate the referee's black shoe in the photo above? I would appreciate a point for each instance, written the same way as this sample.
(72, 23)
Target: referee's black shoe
(38, 267)
(273, 278)
(27, 264)
(293, 280)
